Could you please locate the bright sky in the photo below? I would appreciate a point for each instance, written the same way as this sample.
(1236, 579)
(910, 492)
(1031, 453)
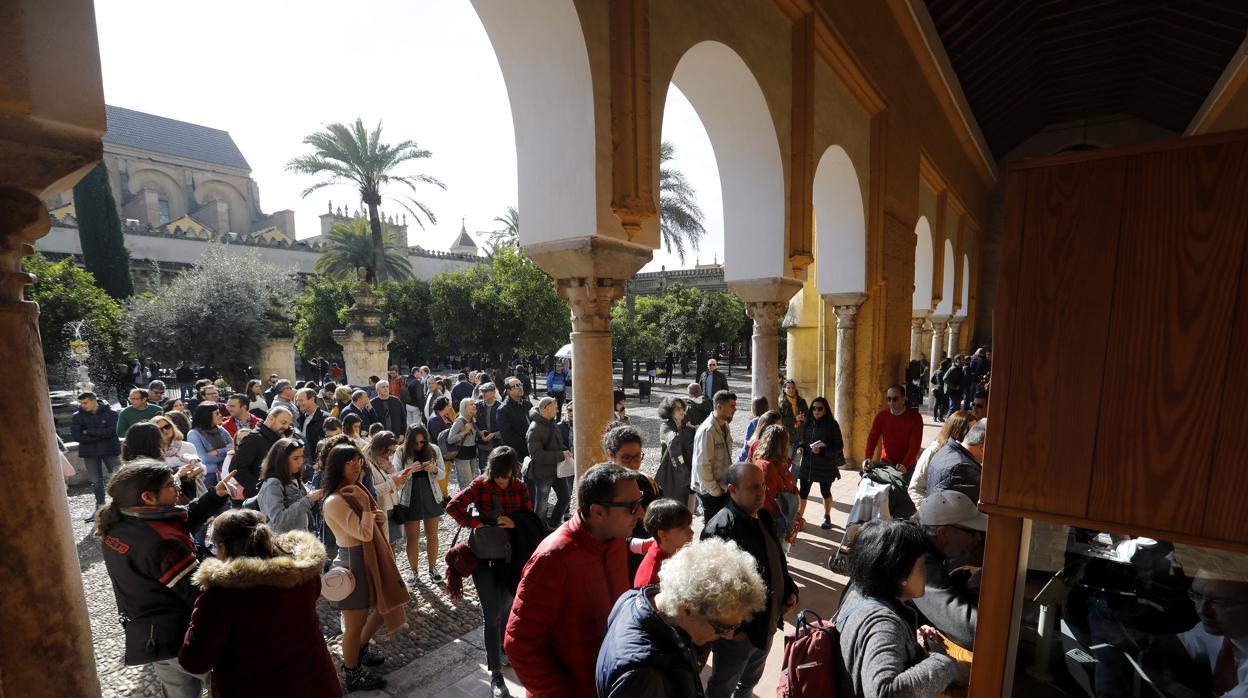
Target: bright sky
(274, 71)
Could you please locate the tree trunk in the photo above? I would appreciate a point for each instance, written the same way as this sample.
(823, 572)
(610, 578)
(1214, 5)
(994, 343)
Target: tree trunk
(628, 372)
(379, 249)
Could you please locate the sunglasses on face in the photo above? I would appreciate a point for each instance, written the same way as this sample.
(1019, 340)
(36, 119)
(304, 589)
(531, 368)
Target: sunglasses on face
(632, 507)
(816, 409)
(166, 427)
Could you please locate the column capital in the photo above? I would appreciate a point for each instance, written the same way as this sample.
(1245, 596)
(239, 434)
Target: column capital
(917, 323)
(766, 314)
(590, 299)
(846, 316)
(23, 219)
(939, 322)
(955, 322)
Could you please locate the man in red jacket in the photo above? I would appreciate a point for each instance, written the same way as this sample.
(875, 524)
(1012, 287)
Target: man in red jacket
(899, 428)
(569, 586)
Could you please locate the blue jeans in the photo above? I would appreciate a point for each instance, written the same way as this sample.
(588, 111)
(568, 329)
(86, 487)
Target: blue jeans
(539, 490)
(737, 668)
(96, 466)
(176, 682)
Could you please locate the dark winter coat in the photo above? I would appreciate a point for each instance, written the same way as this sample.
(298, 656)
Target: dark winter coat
(675, 471)
(95, 432)
(644, 655)
(825, 465)
(731, 523)
(545, 445)
(250, 454)
(512, 419)
(255, 624)
(150, 562)
(953, 468)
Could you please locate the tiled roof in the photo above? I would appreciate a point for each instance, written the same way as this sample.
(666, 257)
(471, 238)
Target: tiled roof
(464, 240)
(136, 129)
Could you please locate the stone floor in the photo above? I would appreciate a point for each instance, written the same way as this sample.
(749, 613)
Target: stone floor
(440, 653)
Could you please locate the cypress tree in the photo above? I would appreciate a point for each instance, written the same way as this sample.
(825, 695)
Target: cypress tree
(104, 251)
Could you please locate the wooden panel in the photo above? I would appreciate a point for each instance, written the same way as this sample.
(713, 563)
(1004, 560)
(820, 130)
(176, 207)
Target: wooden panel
(1062, 319)
(1227, 489)
(1175, 286)
(993, 632)
(1003, 324)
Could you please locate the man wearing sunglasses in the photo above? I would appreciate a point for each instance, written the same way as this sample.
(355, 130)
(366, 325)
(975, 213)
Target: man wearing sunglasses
(569, 586)
(739, 660)
(897, 429)
(955, 536)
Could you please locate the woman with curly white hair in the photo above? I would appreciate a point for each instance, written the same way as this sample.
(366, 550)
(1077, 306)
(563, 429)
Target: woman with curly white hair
(705, 592)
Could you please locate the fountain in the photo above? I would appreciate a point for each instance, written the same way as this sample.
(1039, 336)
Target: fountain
(80, 351)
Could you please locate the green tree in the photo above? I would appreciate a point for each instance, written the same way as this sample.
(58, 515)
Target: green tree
(406, 305)
(696, 321)
(318, 311)
(66, 296)
(349, 246)
(99, 231)
(505, 305)
(212, 314)
(680, 218)
(637, 336)
(356, 156)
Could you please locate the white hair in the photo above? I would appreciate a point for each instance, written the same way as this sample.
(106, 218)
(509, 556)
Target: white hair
(713, 576)
(465, 403)
(978, 434)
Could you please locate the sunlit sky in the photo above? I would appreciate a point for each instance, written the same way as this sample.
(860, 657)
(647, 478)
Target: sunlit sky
(274, 71)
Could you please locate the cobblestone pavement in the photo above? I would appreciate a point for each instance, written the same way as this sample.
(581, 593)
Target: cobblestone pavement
(433, 619)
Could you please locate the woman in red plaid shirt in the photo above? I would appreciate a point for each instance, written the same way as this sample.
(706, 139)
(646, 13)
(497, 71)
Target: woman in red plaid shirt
(495, 494)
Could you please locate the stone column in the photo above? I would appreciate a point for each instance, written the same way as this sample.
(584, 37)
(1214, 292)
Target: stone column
(955, 325)
(592, 384)
(45, 649)
(51, 122)
(590, 274)
(939, 325)
(916, 335)
(846, 308)
(765, 302)
(365, 342)
(765, 347)
(277, 351)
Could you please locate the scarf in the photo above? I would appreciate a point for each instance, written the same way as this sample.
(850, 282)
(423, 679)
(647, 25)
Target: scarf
(387, 593)
(156, 513)
(214, 438)
(460, 563)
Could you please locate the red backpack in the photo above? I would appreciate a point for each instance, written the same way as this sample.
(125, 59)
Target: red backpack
(812, 657)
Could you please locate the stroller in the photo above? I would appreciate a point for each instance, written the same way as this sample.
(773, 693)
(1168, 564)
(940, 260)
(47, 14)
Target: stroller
(881, 495)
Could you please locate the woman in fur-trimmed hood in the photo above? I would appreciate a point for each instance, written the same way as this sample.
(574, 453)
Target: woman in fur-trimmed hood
(255, 624)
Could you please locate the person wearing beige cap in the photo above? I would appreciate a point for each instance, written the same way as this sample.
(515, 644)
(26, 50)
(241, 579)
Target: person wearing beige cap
(955, 528)
(1219, 642)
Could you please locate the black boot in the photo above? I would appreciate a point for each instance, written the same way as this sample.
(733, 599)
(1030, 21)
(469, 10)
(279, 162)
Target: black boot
(369, 657)
(361, 679)
(498, 687)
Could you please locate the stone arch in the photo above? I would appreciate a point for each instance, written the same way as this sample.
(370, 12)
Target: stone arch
(945, 307)
(163, 184)
(218, 190)
(542, 54)
(840, 224)
(924, 264)
(734, 111)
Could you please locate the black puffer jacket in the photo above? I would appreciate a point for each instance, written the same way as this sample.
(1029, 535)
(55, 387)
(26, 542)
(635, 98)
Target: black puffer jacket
(545, 446)
(825, 465)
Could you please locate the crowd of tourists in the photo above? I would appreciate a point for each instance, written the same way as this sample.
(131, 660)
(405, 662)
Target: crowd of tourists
(225, 520)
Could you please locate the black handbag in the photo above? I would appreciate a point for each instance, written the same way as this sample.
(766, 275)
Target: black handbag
(489, 541)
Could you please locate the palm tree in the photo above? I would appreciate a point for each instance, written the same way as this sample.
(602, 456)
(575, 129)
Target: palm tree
(349, 246)
(354, 155)
(680, 218)
(509, 234)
